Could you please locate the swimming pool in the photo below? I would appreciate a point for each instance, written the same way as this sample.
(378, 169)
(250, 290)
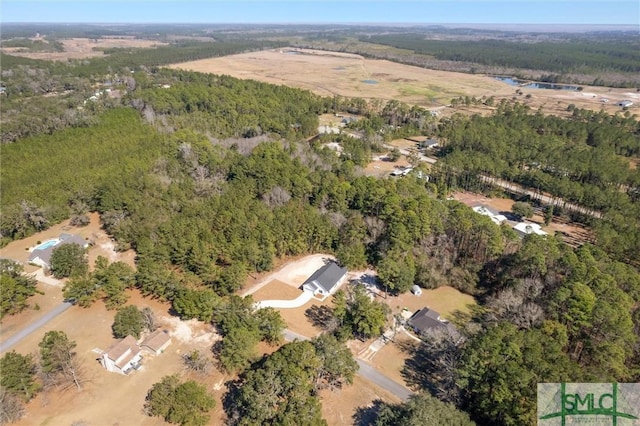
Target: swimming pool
(47, 244)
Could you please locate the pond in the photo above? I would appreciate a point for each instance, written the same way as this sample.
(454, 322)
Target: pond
(511, 81)
(370, 81)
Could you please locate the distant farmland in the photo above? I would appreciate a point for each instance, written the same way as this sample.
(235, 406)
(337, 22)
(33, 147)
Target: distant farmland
(335, 73)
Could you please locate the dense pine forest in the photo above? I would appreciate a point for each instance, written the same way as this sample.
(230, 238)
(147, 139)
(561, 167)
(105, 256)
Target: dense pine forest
(210, 178)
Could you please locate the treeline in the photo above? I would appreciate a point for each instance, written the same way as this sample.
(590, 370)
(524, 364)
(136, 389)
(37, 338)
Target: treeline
(56, 365)
(574, 57)
(583, 160)
(119, 58)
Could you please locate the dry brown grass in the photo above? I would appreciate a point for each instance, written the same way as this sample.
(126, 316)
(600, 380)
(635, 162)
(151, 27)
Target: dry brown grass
(78, 48)
(333, 73)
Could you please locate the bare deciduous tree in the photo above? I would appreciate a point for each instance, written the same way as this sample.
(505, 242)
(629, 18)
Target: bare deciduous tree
(197, 362)
(276, 197)
(59, 364)
(150, 321)
(11, 408)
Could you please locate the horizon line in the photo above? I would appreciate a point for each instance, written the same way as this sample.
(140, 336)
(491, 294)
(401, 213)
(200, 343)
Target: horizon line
(320, 23)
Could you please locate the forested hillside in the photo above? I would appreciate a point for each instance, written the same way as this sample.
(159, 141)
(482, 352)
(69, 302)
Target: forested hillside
(213, 177)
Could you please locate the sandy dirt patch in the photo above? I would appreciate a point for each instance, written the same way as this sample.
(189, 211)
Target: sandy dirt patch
(380, 166)
(276, 290)
(298, 322)
(77, 48)
(445, 300)
(333, 73)
(404, 144)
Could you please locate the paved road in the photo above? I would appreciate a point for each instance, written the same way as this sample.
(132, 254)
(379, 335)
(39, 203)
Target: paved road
(370, 373)
(16, 338)
(367, 371)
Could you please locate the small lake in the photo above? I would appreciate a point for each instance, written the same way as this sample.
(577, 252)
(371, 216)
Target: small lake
(534, 84)
(370, 81)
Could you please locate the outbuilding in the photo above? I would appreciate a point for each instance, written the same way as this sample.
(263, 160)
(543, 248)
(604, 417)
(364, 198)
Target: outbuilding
(416, 290)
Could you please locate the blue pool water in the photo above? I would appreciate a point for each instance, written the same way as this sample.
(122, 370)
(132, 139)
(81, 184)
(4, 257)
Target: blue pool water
(47, 244)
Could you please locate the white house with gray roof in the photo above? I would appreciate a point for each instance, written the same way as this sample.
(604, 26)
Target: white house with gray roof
(326, 280)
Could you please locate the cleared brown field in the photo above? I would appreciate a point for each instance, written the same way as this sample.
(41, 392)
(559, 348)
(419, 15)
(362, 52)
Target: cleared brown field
(78, 48)
(334, 73)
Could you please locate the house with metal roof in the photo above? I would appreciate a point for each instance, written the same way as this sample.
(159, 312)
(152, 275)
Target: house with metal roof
(494, 215)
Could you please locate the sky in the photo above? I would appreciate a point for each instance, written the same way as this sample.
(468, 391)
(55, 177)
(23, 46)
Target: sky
(593, 12)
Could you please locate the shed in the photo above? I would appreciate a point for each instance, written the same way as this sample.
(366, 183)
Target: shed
(156, 342)
(415, 289)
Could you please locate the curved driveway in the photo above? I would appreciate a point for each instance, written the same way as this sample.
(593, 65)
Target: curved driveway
(293, 303)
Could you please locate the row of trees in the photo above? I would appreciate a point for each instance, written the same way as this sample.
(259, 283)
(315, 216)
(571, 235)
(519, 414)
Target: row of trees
(586, 56)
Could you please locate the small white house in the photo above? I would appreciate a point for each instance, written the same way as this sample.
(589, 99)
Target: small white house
(123, 356)
(523, 229)
(495, 216)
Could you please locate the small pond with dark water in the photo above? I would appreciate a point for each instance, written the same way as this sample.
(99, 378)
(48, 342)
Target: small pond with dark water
(511, 81)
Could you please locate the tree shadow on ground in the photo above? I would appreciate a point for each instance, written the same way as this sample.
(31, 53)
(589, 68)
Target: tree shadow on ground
(320, 316)
(365, 416)
(414, 370)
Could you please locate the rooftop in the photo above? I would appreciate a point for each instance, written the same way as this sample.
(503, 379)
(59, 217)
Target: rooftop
(156, 340)
(426, 318)
(123, 351)
(327, 276)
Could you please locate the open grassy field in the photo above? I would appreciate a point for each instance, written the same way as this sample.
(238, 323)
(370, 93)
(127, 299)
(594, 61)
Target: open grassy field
(78, 48)
(335, 73)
